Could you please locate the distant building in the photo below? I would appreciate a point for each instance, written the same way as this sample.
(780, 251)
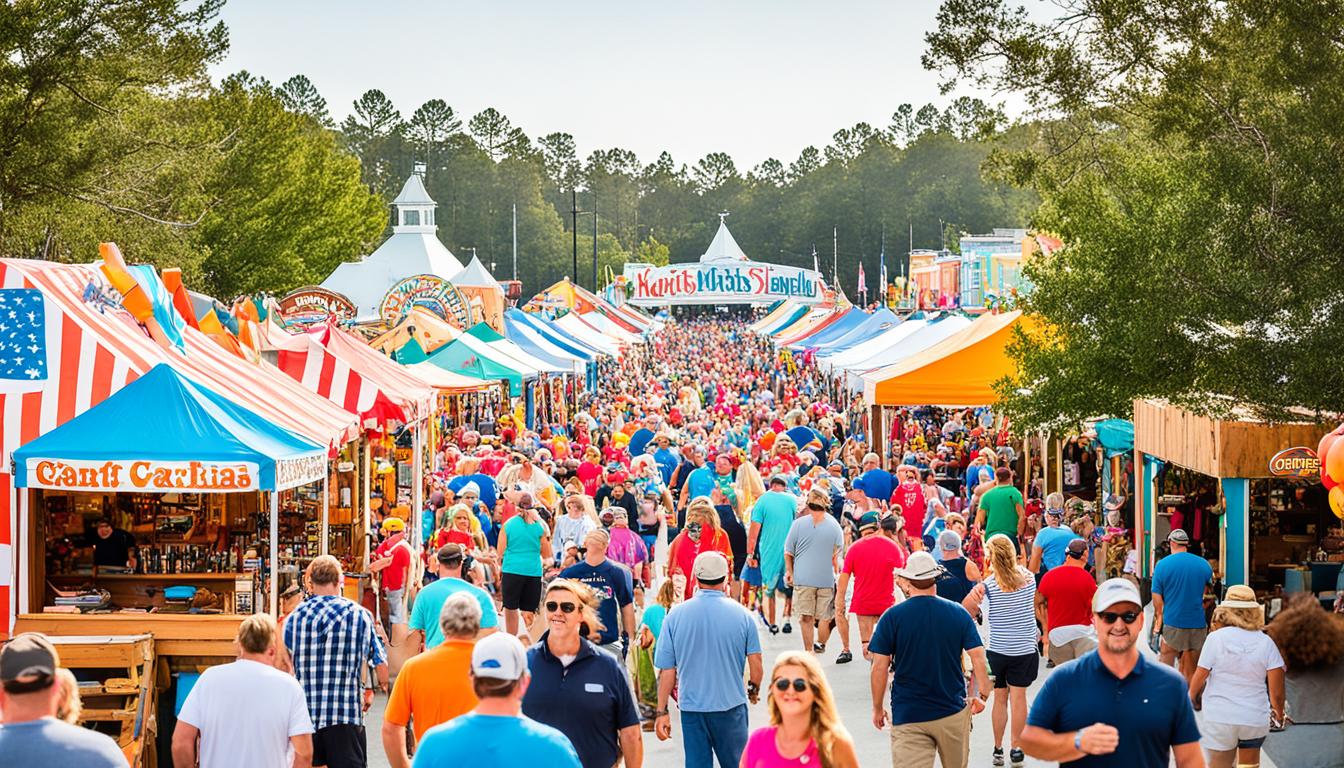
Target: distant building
(988, 267)
(935, 279)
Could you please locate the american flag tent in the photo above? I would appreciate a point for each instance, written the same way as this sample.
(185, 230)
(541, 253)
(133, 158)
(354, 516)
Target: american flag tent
(90, 348)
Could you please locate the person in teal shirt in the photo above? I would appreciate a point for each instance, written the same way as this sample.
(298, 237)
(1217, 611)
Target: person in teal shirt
(771, 518)
(496, 733)
(429, 602)
(525, 542)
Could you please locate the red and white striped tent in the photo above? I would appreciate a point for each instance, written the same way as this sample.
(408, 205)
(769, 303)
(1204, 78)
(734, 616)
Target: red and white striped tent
(95, 348)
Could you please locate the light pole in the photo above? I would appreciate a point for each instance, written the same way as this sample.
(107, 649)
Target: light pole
(574, 231)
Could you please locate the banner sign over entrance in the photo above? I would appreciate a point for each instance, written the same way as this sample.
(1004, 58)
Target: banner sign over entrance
(144, 476)
(724, 283)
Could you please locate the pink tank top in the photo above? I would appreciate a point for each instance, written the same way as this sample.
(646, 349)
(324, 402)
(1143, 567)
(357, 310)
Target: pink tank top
(762, 753)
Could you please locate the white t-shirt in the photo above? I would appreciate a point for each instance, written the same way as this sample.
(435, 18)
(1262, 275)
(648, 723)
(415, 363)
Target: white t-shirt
(1238, 660)
(246, 713)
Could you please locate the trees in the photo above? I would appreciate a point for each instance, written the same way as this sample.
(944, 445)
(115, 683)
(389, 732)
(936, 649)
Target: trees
(496, 134)
(1190, 168)
(300, 96)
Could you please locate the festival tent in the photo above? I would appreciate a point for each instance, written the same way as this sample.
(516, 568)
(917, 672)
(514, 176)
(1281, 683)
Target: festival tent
(428, 329)
(581, 330)
(509, 352)
(784, 320)
(820, 324)
(350, 373)
(515, 318)
(482, 291)
(447, 382)
(957, 371)
(177, 421)
(566, 294)
(538, 345)
(608, 326)
(927, 333)
(855, 356)
(772, 313)
(876, 323)
(465, 356)
(847, 321)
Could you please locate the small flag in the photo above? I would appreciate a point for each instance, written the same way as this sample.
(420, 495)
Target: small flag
(23, 340)
(882, 274)
(863, 282)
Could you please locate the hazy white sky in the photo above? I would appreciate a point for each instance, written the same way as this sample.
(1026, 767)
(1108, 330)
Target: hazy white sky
(753, 78)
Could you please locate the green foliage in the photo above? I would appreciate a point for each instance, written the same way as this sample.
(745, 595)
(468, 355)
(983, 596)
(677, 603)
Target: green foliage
(1191, 166)
(650, 251)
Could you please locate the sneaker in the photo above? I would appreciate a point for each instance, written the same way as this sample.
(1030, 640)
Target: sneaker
(1049, 663)
(998, 755)
(818, 648)
(844, 658)
(1017, 757)
(787, 628)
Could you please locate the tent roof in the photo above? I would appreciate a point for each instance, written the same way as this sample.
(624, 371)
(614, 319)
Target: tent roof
(515, 319)
(723, 247)
(849, 319)
(461, 357)
(446, 381)
(776, 312)
(798, 312)
(511, 354)
(163, 416)
(586, 333)
(475, 275)
(875, 323)
(413, 192)
(430, 330)
(959, 370)
(820, 323)
(402, 255)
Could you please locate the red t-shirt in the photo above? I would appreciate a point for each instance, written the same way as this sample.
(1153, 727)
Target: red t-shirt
(590, 475)
(394, 575)
(871, 562)
(1068, 591)
(910, 495)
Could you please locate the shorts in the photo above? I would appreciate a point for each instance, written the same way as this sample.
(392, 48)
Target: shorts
(751, 576)
(520, 593)
(1070, 650)
(396, 605)
(782, 586)
(1017, 671)
(340, 746)
(1181, 639)
(1220, 737)
(817, 602)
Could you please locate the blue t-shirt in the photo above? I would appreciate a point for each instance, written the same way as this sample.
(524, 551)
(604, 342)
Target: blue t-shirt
(700, 483)
(48, 741)
(876, 483)
(667, 461)
(429, 603)
(924, 636)
(485, 482)
(1180, 579)
(589, 701)
(522, 553)
(1150, 707)
(775, 511)
(1054, 544)
(653, 618)
(613, 585)
(495, 740)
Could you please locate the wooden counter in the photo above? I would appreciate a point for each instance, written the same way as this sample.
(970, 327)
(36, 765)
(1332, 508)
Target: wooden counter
(175, 634)
(145, 590)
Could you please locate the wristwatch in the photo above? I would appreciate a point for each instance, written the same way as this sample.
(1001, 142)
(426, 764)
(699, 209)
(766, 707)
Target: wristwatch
(660, 713)
(1078, 740)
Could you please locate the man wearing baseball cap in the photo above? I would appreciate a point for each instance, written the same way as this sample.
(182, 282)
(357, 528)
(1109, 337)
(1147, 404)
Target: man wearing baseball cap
(1179, 581)
(871, 562)
(771, 518)
(1113, 706)
(920, 641)
(496, 733)
(1064, 606)
(1047, 549)
(704, 645)
(29, 696)
(392, 559)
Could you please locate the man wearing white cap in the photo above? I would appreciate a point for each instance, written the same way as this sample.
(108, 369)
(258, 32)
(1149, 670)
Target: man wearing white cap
(1112, 706)
(496, 733)
(702, 649)
(919, 643)
(1179, 581)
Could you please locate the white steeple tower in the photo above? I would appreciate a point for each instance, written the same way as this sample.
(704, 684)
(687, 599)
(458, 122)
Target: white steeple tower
(414, 207)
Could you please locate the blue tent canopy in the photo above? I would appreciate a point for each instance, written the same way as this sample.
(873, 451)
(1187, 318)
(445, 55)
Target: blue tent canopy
(540, 344)
(1116, 436)
(852, 318)
(163, 433)
(554, 334)
(876, 323)
(788, 319)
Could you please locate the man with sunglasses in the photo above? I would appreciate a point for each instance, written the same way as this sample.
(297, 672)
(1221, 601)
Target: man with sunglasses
(1113, 706)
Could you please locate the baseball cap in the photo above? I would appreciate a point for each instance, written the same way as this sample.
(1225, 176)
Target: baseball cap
(920, 565)
(949, 541)
(710, 567)
(394, 525)
(499, 656)
(30, 654)
(451, 553)
(779, 477)
(1114, 591)
(1179, 536)
(1077, 548)
(869, 520)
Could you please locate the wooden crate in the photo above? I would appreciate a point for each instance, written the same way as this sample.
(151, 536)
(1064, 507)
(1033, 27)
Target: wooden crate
(127, 697)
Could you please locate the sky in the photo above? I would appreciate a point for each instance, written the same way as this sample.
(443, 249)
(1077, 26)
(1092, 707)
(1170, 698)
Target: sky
(752, 78)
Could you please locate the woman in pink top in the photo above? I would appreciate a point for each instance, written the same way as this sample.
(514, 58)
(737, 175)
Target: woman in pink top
(804, 728)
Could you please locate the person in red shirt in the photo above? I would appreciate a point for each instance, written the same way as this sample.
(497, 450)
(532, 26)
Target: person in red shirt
(590, 471)
(1064, 606)
(392, 559)
(871, 562)
(910, 496)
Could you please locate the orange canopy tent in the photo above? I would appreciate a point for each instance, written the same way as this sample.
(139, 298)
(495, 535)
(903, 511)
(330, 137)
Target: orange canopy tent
(958, 371)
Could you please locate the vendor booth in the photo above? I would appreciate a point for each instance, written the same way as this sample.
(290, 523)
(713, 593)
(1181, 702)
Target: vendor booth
(1216, 479)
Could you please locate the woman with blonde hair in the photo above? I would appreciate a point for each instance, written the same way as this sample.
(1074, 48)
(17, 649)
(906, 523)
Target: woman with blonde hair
(805, 727)
(750, 487)
(703, 533)
(1008, 597)
(1229, 683)
(70, 705)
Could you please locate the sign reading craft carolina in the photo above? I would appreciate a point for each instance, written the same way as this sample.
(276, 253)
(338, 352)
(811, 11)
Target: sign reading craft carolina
(152, 476)
(1295, 462)
(313, 304)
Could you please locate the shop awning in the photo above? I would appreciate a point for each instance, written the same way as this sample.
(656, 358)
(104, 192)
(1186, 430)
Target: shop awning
(609, 327)
(421, 325)
(957, 371)
(459, 356)
(522, 321)
(509, 353)
(164, 434)
(539, 345)
(575, 326)
(848, 320)
(352, 348)
(819, 322)
(772, 313)
(786, 319)
(447, 382)
(875, 323)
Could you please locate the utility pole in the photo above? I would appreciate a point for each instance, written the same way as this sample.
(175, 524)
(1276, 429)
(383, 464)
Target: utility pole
(574, 230)
(594, 241)
(515, 241)
(835, 256)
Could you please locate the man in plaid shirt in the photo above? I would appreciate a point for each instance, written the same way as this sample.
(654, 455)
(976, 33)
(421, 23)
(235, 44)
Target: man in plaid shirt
(330, 639)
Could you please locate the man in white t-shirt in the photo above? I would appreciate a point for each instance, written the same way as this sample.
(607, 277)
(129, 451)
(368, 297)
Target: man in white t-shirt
(248, 712)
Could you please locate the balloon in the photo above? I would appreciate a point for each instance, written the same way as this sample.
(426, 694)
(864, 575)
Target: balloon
(1333, 463)
(1323, 450)
(1337, 501)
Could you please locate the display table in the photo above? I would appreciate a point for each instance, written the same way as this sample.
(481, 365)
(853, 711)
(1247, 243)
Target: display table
(145, 590)
(175, 634)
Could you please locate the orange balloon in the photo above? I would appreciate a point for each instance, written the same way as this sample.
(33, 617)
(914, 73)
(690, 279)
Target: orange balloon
(1327, 442)
(1332, 464)
(1337, 501)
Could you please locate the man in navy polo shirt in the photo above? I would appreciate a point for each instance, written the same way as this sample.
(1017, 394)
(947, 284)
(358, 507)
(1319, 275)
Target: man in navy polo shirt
(614, 586)
(1112, 706)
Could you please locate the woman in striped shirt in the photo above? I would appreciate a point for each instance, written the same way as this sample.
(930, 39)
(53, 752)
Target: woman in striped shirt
(1008, 598)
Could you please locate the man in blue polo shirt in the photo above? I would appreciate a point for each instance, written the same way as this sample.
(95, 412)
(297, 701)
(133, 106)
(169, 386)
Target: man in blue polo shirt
(704, 644)
(1111, 706)
(1179, 580)
(875, 482)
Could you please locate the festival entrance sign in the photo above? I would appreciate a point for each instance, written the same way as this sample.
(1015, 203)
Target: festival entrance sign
(313, 304)
(724, 275)
(430, 292)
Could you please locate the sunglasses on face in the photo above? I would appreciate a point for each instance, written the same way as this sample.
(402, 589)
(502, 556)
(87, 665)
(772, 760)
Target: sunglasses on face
(552, 606)
(1110, 617)
(816, 506)
(799, 684)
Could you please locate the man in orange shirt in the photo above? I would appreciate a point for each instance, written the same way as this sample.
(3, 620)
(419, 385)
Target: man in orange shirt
(435, 686)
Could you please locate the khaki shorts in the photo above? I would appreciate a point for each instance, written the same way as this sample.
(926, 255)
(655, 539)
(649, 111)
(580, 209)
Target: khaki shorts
(1181, 639)
(913, 745)
(1070, 650)
(817, 602)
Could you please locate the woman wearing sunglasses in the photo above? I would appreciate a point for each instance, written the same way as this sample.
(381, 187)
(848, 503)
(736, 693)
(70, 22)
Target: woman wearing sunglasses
(577, 689)
(804, 728)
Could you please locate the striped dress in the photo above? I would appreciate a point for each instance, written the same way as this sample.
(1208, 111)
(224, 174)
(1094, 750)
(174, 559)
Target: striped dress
(1011, 617)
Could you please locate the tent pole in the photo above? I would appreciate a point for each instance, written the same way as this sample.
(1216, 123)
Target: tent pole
(364, 504)
(326, 504)
(275, 553)
(417, 483)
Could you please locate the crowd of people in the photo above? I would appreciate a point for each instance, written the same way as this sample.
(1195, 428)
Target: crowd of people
(574, 583)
